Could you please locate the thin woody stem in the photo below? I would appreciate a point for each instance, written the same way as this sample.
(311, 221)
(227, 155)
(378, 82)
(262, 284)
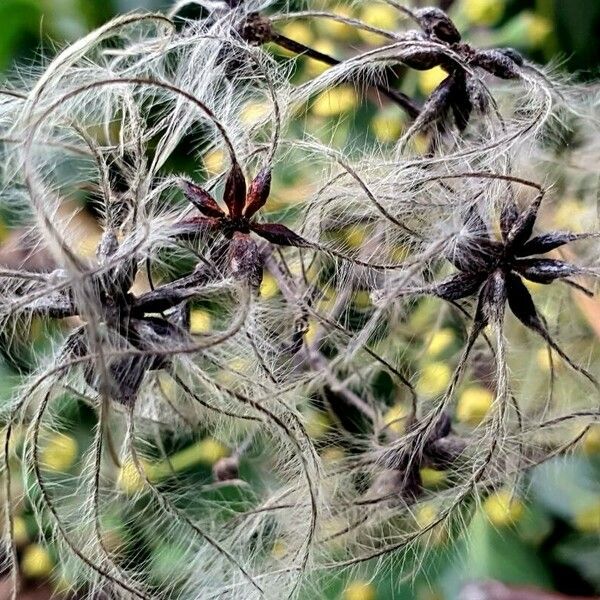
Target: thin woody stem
(401, 99)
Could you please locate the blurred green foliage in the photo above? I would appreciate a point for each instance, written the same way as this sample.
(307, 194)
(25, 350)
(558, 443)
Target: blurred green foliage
(567, 30)
(28, 25)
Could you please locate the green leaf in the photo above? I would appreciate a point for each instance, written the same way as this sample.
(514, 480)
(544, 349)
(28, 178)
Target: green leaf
(582, 553)
(566, 486)
(577, 25)
(19, 27)
(491, 553)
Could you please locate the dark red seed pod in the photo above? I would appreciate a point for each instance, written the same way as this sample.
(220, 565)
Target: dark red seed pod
(459, 286)
(245, 260)
(256, 29)
(497, 63)
(201, 199)
(235, 191)
(545, 270)
(460, 101)
(492, 298)
(436, 23)
(550, 241)
(259, 191)
(522, 227)
(195, 226)
(422, 60)
(443, 453)
(279, 234)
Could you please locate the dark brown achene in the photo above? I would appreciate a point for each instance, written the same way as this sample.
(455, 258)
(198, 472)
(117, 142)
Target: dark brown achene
(256, 29)
(455, 94)
(126, 324)
(441, 449)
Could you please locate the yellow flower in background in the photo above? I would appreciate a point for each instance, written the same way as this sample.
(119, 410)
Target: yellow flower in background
(214, 161)
(336, 29)
(317, 424)
(20, 534)
(591, 440)
(588, 519)
(420, 143)
(59, 452)
(37, 329)
(483, 12)
(543, 359)
(387, 126)
(538, 28)
(527, 29)
(200, 321)
(168, 386)
(235, 367)
(311, 332)
(361, 299)
(239, 364)
(269, 287)
(279, 549)
(355, 236)
(395, 418)
(380, 15)
(425, 516)
(204, 452)
(503, 508)
(36, 562)
(569, 214)
(474, 404)
(4, 231)
(440, 341)
(87, 242)
(316, 67)
(430, 79)
(336, 101)
(432, 478)
(130, 479)
(332, 454)
(208, 451)
(400, 253)
(533, 286)
(434, 379)
(332, 529)
(360, 590)
(254, 112)
(298, 31)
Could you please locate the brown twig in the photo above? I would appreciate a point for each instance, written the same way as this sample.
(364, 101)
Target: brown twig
(401, 99)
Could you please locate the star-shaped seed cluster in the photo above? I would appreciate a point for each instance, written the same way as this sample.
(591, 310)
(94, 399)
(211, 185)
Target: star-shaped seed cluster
(494, 270)
(244, 260)
(435, 46)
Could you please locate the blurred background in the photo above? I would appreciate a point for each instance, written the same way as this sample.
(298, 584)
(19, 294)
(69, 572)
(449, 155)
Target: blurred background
(560, 30)
(551, 539)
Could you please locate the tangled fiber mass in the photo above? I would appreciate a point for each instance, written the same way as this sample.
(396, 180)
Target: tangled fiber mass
(450, 217)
